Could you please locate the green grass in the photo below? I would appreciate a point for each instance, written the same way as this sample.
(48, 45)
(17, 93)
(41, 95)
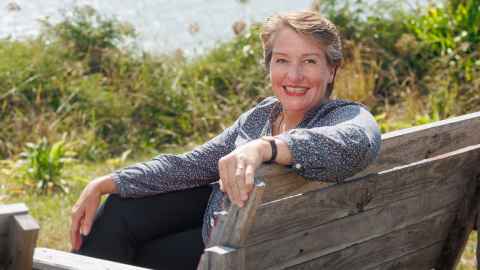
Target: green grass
(52, 210)
(468, 260)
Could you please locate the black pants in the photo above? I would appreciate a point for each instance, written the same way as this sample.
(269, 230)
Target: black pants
(159, 232)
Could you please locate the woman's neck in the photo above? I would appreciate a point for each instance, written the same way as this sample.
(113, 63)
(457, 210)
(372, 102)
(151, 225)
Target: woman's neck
(289, 120)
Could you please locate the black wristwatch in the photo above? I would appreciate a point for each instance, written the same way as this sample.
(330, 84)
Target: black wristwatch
(273, 145)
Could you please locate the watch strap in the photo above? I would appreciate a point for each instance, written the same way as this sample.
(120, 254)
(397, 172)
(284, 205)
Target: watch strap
(274, 149)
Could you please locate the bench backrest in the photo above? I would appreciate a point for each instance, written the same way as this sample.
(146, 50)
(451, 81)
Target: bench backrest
(18, 237)
(412, 209)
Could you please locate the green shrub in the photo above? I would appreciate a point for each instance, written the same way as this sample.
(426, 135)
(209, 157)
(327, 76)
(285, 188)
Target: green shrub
(43, 164)
(86, 35)
(78, 79)
(219, 85)
(449, 39)
(445, 28)
(129, 100)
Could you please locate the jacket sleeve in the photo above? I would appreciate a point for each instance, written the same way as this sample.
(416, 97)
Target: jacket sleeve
(347, 144)
(168, 172)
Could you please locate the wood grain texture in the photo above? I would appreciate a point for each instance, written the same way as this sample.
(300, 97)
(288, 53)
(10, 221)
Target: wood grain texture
(234, 224)
(222, 258)
(336, 236)
(7, 211)
(383, 249)
(231, 231)
(477, 253)
(425, 141)
(284, 183)
(462, 227)
(304, 211)
(398, 148)
(49, 259)
(401, 206)
(22, 241)
(423, 259)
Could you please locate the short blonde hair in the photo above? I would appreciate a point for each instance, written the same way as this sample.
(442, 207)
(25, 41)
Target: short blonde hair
(310, 24)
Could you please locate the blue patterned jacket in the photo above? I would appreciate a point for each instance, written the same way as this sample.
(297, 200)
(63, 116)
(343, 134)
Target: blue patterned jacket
(334, 141)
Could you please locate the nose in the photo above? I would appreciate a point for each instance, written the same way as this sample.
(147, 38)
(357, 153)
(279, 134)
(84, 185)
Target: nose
(295, 73)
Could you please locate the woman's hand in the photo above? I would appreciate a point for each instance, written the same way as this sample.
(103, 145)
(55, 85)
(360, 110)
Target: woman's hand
(237, 169)
(85, 208)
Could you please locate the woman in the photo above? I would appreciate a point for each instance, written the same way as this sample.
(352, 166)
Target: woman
(301, 127)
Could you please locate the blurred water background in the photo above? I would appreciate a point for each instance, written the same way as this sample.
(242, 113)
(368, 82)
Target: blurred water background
(162, 25)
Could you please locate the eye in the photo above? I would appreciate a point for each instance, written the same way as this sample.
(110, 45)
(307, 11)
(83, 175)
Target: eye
(310, 61)
(280, 60)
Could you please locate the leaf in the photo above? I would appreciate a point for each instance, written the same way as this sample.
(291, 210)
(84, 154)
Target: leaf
(56, 152)
(125, 155)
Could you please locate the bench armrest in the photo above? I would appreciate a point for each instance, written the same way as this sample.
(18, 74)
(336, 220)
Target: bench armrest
(49, 259)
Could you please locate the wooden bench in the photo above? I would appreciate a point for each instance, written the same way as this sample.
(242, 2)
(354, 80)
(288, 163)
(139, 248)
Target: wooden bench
(414, 208)
(18, 237)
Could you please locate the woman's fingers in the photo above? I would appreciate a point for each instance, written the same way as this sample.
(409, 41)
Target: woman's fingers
(233, 193)
(249, 181)
(75, 239)
(228, 178)
(222, 168)
(220, 182)
(88, 219)
(237, 171)
(239, 179)
(83, 213)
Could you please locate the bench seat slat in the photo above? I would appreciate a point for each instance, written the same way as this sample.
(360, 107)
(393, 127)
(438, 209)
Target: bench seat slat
(22, 240)
(383, 249)
(398, 148)
(294, 214)
(422, 259)
(425, 141)
(49, 259)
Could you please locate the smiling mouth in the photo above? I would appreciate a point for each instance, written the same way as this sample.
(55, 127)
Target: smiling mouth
(295, 91)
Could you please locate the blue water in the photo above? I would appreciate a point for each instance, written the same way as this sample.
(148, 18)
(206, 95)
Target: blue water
(162, 25)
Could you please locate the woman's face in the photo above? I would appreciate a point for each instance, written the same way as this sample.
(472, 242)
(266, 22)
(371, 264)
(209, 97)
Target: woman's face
(299, 71)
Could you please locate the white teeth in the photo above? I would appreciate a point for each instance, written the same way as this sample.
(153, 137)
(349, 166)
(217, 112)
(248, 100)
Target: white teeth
(298, 90)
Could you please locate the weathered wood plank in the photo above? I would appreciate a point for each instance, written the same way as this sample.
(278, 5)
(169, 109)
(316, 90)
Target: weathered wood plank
(49, 259)
(222, 258)
(477, 253)
(6, 214)
(3, 250)
(425, 141)
(234, 224)
(354, 230)
(230, 232)
(22, 241)
(311, 209)
(285, 182)
(423, 259)
(462, 227)
(398, 148)
(382, 249)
